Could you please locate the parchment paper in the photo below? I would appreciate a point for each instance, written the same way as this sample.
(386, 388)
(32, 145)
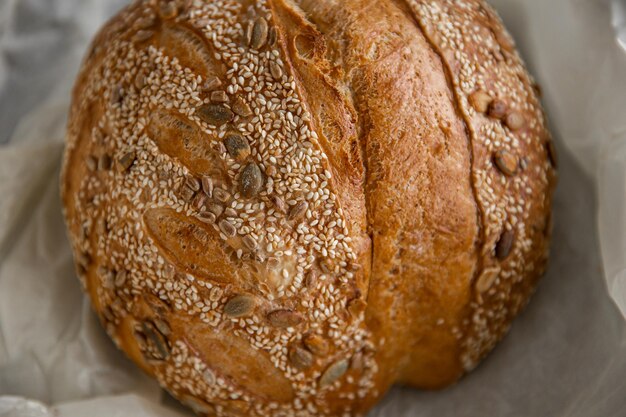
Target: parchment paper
(565, 355)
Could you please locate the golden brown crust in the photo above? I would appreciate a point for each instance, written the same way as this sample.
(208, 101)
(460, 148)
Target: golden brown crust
(284, 207)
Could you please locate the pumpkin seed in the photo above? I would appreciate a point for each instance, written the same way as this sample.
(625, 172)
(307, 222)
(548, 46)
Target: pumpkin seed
(159, 342)
(237, 146)
(215, 114)
(162, 327)
(251, 180)
(514, 120)
(259, 33)
(300, 358)
(497, 109)
(333, 373)
(120, 278)
(486, 279)
(104, 162)
(480, 101)
(275, 70)
(506, 162)
(240, 306)
(272, 37)
(504, 245)
(168, 10)
(209, 377)
(142, 35)
(284, 318)
(552, 155)
(91, 162)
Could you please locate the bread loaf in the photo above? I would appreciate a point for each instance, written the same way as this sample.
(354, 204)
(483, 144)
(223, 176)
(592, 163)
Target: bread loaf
(284, 207)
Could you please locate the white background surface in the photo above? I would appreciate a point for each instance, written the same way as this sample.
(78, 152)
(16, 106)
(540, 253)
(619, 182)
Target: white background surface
(566, 354)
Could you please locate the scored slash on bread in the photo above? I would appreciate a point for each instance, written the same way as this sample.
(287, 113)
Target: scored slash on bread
(283, 208)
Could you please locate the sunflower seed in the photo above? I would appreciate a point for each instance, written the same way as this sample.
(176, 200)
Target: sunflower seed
(504, 245)
(230, 212)
(207, 217)
(251, 180)
(186, 193)
(241, 107)
(221, 195)
(506, 162)
(279, 203)
(240, 306)
(215, 209)
(107, 277)
(247, 33)
(259, 33)
(126, 161)
(227, 228)
(316, 344)
(249, 242)
(215, 114)
(120, 278)
(480, 101)
(486, 279)
(168, 10)
(497, 109)
(237, 146)
(219, 96)
(198, 201)
(142, 35)
(207, 186)
(193, 183)
(298, 211)
(91, 162)
(300, 358)
(284, 318)
(333, 373)
(162, 327)
(275, 70)
(211, 83)
(514, 120)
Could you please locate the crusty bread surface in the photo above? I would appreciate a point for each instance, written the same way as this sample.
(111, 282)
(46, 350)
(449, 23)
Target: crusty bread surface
(284, 207)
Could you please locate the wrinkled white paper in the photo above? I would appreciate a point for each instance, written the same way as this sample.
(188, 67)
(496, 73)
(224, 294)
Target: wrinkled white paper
(565, 355)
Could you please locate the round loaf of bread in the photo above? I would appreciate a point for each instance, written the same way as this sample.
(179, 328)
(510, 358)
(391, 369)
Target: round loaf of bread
(284, 207)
